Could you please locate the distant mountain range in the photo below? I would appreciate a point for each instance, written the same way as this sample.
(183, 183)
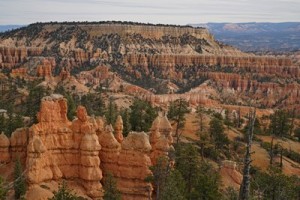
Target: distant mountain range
(4, 28)
(276, 37)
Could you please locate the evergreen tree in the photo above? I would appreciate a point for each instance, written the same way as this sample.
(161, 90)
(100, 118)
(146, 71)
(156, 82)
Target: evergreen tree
(111, 112)
(280, 123)
(216, 130)
(13, 122)
(64, 193)
(168, 183)
(188, 164)
(275, 185)
(110, 188)
(177, 111)
(33, 101)
(125, 113)
(200, 115)
(19, 180)
(71, 106)
(207, 183)
(174, 187)
(142, 115)
(202, 181)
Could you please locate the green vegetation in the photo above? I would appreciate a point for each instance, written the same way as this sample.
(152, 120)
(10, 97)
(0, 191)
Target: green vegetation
(280, 123)
(168, 182)
(177, 111)
(111, 112)
(142, 115)
(64, 193)
(125, 113)
(110, 188)
(217, 134)
(202, 181)
(33, 101)
(275, 185)
(19, 180)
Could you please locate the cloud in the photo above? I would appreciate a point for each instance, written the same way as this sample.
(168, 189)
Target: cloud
(155, 11)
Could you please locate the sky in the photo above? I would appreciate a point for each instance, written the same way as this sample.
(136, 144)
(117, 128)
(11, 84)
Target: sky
(149, 11)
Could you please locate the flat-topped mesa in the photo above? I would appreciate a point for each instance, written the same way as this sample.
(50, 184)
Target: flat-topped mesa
(146, 30)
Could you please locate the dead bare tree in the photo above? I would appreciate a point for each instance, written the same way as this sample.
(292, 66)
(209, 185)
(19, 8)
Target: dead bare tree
(245, 186)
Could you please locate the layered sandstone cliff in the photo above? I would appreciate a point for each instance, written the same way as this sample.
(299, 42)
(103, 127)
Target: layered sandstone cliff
(149, 61)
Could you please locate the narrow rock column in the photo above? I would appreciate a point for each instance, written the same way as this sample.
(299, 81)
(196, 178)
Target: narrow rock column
(90, 171)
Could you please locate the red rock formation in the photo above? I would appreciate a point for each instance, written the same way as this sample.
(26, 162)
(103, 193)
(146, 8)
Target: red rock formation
(64, 74)
(4, 149)
(10, 56)
(56, 148)
(134, 162)
(60, 149)
(19, 71)
(160, 139)
(119, 129)
(258, 64)
(45, 68)
(230, 175)
(18, 144)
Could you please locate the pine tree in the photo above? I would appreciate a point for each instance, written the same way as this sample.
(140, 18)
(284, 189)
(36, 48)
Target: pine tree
(201, 180)
(142, 115)
(19, 180)
(64, 193)
(168, 183)
(174, 187)
(216, 130)
(200, 116)
(280, 123)
(110, 188)
(111, 112)
(126, 121)
(71, 106)
(177, 111)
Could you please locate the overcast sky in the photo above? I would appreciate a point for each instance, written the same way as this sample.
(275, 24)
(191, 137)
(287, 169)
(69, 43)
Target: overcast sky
(153, 11)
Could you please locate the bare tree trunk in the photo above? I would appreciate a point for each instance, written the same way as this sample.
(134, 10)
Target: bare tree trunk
(271, 152)
(281, 151)
(245, 186)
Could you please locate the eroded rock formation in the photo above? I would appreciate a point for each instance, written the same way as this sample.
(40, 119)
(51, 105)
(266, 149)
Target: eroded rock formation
(56, 148)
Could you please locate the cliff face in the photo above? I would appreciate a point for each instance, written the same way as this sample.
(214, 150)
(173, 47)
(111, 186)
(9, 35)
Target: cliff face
(56, 149)
(146, 59)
